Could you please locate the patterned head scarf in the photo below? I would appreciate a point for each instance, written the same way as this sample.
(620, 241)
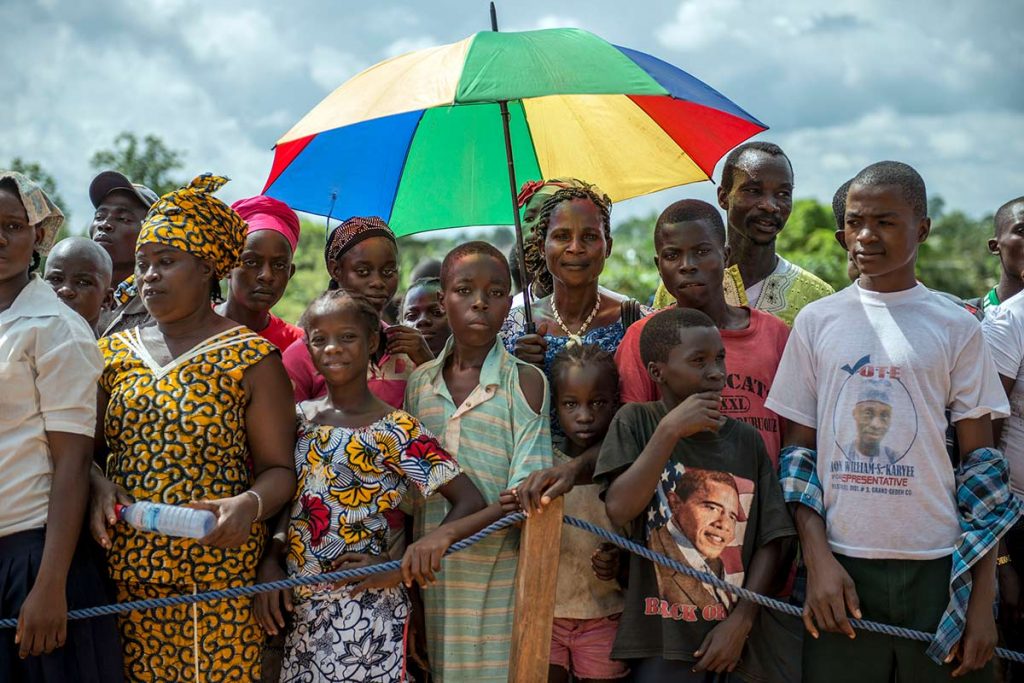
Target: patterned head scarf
(352, 232)
(549, 187)
(38, 207)
(193, 220)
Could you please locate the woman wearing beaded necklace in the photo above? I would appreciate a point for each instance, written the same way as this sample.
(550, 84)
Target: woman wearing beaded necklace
(566, 251)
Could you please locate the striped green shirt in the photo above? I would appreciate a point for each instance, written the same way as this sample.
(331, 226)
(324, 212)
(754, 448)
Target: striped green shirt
(497, 439)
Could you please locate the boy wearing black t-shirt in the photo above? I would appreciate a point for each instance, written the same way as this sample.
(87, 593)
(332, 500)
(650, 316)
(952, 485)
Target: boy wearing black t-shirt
(697, 487)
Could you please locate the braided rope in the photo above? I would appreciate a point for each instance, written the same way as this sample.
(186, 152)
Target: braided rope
(238, 591)
(504, 522)
(763, 600)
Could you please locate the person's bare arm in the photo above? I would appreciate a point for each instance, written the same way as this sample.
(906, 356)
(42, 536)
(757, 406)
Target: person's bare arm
(997, 425)
(103, 493)
(630, 492)
(723, 646)
(469, 513)
(543, 486)
(270, 427)
(42, 622)
(977, 645)
(830, 590)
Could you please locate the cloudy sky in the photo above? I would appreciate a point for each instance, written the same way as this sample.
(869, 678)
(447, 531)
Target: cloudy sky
(935, 83)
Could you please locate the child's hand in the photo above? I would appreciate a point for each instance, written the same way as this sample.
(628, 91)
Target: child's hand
(532, 347)
(42, 621)
(605, 561)
(723, 646)
(423, 558)
(543, 486)
(509, 500)
(698, 413)
(357, 560)
(270, 607)
(408, 340)
(103, 496)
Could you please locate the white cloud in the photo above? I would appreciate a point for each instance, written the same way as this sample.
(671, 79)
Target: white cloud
(844, 86)
(329, 67)
(404, 45)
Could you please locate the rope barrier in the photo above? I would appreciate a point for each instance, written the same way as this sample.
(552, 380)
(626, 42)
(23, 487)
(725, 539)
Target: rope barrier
(504, 522)
(291, 582)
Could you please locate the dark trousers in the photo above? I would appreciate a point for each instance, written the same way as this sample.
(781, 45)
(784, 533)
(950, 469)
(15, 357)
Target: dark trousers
(908, 593)
(92, 651)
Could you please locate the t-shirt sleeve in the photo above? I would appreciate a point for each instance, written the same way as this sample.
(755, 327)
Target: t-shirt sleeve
(773, 516)
(422, 459)
(621, 447)
(1002, 332)
(635, 384)
(974, 387)
(299, 367)
(68, 366)
(794, 393)
(532, 434)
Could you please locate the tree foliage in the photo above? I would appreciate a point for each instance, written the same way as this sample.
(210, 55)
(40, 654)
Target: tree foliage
(149, 162)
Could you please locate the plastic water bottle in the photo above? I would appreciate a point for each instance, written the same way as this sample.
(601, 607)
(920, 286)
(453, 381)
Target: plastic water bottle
(169, 520)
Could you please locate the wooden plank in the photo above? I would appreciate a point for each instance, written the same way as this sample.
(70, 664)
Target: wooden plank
(536, 580)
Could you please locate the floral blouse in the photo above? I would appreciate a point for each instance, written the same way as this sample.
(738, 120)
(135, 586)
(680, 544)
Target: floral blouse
(349, 477)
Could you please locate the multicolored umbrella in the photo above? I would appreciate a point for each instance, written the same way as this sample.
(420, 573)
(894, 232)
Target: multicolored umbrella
(418, 139)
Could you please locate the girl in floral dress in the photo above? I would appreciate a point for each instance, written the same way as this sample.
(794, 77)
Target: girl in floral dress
(355, 459)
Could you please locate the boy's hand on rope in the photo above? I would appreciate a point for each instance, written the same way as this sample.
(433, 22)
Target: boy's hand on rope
(423, 558)
(543, 486)
(42, 621)
(830, 593)
(357, 560)
(723, 646)
(509, 501)
(235, 517)
(271, 608)
(103, 496)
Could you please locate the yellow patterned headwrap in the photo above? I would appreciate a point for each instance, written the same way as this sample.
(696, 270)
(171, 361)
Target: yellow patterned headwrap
(193, 220)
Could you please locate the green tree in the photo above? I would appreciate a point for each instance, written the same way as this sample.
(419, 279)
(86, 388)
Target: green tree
(149, 161)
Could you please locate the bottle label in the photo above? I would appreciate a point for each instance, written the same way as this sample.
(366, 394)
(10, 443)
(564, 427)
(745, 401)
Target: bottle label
(150, 516)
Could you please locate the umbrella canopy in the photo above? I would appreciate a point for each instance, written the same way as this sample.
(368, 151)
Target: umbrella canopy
(418, 139)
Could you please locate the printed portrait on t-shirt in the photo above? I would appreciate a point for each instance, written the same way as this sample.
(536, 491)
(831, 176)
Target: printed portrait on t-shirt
(699, 521)
(875, 420)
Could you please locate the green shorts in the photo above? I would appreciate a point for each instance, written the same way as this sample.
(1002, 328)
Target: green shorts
(908, 593)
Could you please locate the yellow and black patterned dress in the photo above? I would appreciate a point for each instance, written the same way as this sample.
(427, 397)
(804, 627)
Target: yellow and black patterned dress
(177, 433)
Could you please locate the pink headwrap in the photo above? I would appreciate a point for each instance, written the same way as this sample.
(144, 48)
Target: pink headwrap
(267, 213)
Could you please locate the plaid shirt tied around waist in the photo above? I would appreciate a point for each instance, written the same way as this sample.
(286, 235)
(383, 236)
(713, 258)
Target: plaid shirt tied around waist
(987, 509)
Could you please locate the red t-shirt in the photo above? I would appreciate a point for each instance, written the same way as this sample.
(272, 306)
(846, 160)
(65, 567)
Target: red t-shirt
(386, 380)
(281, 334)
(752, 356)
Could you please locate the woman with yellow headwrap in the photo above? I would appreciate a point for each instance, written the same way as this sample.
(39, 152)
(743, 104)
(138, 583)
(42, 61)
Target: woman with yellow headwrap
(192, 410)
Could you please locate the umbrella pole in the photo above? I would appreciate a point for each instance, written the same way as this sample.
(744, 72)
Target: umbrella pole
(514, 190)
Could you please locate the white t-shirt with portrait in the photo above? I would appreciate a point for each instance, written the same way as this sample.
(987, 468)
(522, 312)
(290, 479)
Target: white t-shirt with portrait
(1003, 328)
(873, 373)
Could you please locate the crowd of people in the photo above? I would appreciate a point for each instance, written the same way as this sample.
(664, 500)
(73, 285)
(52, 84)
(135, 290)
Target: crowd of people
(858, 452)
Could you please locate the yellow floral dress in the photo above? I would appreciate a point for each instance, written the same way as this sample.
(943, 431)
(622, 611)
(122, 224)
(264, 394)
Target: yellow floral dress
(177, 433)
(347, 479)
